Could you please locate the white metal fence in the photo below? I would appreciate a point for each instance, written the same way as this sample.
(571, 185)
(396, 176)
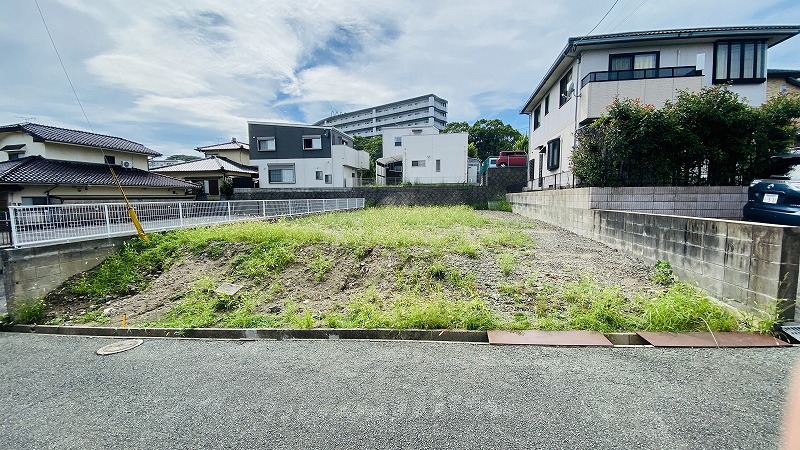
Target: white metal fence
(40, 225)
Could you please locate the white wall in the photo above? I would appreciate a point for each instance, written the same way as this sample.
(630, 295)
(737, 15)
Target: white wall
(449, 148)
(343, 167)
(390, 133)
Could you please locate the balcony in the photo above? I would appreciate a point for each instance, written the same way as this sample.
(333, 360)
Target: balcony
(651, 86)
(641, 74)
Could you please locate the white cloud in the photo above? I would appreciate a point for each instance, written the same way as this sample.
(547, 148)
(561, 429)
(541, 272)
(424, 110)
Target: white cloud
(204, 67)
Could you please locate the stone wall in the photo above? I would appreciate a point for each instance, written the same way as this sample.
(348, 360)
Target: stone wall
(742, 263)
(499, 181)
(33, 272)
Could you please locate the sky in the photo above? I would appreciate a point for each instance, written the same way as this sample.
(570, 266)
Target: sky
(175, 75)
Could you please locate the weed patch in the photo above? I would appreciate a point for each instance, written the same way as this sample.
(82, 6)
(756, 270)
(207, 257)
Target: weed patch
(29, 312)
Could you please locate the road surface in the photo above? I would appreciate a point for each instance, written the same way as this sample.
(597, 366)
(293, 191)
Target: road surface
(171, 393)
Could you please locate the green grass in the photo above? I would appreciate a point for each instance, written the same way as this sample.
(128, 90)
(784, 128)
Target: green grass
(427, 292)
(29, 312)
(506, 263)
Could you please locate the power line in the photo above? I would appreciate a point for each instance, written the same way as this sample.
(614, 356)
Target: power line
(631, 13)
(604, 17)
(620, 11)
(64, 67)
(131, 211)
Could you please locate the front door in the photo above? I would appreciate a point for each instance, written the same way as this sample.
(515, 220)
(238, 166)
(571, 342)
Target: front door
(213, 187)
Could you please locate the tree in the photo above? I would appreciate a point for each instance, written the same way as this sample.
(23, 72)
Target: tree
(372, 145)
(182, 158)
(521, 144)
(710, 137)
(489, 137)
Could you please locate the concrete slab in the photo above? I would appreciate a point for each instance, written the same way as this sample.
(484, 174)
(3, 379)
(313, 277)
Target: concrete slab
(719, 339)
(549, 338)
(228, 289)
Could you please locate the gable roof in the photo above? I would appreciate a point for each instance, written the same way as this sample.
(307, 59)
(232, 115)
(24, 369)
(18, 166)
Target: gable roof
(39, 170)
(46, 133)
(772, 34)
(232, 145)
(210, 164)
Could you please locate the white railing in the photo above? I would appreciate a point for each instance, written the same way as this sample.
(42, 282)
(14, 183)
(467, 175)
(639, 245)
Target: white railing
(51, 224)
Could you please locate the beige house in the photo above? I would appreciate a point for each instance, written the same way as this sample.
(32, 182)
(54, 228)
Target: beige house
(42, 165)
(211, 173)
(238, 152)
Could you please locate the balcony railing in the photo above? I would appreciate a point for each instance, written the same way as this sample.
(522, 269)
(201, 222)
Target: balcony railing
(641, 74)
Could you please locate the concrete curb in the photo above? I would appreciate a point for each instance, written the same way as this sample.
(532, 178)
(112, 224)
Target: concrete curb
(257, 333)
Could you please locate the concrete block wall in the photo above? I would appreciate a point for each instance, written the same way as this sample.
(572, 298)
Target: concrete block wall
(744, 264)
(720, 202)
(499, 182)
(31, 273)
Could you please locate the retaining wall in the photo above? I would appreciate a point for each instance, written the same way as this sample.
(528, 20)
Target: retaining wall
(33, 272)
(745, 264)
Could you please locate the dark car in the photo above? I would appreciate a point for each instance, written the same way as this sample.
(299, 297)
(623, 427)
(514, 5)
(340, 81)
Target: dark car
(775, 196)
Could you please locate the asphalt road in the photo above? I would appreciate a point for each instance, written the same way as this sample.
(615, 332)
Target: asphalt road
(57, 393)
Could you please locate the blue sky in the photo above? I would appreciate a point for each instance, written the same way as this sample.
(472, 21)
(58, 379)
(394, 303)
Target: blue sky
(178, 74)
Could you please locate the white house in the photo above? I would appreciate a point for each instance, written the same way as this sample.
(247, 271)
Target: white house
(421, 155)
(591, 71)
(304, 156)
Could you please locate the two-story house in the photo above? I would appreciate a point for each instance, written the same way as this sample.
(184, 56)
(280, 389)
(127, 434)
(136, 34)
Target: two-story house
(304, 156)
(42, 165)
(420, 155)
(591, 71)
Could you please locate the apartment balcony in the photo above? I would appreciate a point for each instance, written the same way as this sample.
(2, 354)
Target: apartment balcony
(651, 86)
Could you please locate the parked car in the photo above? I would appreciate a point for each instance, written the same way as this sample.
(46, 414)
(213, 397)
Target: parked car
(774, 197)
(512, 158)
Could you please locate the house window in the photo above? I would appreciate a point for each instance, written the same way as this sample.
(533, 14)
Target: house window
(438, 165)
(398, 141)
(16, 155)
(110, 160)
(739, 62)
(281, 173)
(266, 144)
(319, 175)
(312, 142)
(537, 116)
(553, 153)
(328, 179)
(633, 61)
(564, 92)
(31, 201)
(418, 163)
(547, 104)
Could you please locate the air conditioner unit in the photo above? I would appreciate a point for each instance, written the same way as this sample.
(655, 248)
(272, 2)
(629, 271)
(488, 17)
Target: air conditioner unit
(126, 164)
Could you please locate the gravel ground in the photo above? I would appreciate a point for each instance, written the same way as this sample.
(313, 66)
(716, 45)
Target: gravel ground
(357, 394)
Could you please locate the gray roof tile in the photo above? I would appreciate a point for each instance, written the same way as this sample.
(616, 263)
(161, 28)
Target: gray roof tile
(44, 133)
(209, 164)
(39, 170)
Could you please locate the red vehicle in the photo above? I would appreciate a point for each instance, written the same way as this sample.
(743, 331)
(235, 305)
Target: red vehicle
(512, 158)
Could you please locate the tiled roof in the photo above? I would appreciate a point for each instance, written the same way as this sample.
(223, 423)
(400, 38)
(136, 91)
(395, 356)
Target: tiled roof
(44, 133)
(39, 170)
(232, 145)
(210, 164)
(688, 32)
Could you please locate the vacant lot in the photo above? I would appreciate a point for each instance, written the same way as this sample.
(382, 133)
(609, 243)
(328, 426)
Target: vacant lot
(403, 267)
